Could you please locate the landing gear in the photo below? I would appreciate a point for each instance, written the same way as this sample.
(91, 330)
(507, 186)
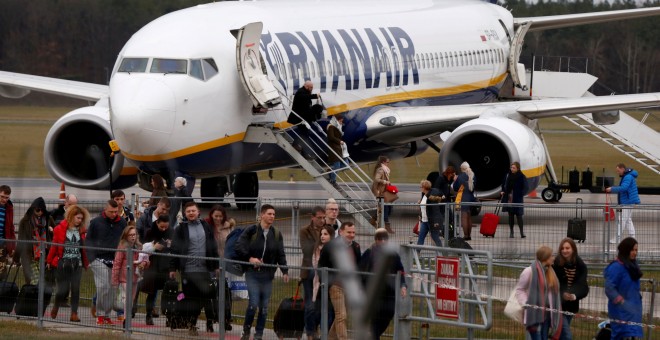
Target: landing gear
(552, 193)
(246, 190)
(214, 189)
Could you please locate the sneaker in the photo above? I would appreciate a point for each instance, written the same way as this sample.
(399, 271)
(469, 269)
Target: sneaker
(149, 321)
(100, 320)
(192, 331)
(107, 321)
(245, 336)
(121, 318)
(93, 310)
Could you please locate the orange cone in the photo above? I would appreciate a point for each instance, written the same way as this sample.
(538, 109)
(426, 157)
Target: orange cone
(62, 192)
(532, 194)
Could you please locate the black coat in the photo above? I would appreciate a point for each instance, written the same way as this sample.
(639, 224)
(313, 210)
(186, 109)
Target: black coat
(326, 259)
(368, 263)
(580, 287)
(181, 241)
(302, 104)
(156, 274)
(435, 212)
(444, 186)
(517, 192)
(246, 247)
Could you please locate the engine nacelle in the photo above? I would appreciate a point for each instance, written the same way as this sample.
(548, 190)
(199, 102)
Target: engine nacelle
(76, 151)
(490, 145)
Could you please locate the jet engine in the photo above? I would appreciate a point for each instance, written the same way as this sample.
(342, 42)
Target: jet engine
(76, 151)
(490, 145)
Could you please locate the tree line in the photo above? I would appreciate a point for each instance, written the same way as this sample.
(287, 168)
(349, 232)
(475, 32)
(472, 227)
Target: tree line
(80, 39)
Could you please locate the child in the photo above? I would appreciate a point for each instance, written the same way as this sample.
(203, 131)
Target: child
(147, 249)
(119, 278)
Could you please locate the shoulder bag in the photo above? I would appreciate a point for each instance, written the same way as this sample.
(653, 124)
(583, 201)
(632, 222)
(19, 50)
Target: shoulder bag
(513, 309)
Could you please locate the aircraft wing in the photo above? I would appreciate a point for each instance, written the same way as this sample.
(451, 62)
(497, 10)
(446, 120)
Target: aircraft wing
(399, 125)
(67, 88)
(567, 20)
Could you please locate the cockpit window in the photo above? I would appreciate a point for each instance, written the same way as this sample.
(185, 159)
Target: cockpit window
(133, 65)
(169, 66)
(210, 68)
(196, 69)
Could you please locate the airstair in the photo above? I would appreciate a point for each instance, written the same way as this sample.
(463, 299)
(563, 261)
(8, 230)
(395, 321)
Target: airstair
(630, 136)
(353, 186)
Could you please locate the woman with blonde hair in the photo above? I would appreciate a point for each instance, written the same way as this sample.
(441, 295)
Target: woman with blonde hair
(464, 185)
(128, 240)
(538, 288)
(381, 180)
(68, 259)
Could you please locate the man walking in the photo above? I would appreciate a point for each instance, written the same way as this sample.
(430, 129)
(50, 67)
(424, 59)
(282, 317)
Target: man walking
(627, 195)
(194, 238)
(331, 214)
(309, 239)
(151, 214)
(104, 232)
(58, 213)
(261, 244)
(328, 258)
(6, 229)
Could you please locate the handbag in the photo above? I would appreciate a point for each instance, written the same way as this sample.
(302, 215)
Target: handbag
(344, 150)
(416, 228)
(610, 215)
(513, 309)
(391, 193)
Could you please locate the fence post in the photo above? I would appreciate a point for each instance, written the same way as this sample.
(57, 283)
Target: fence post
(221, 300)
(295, 216)
(128, 302)
(41, 303)
(650, 330)
(324, 303)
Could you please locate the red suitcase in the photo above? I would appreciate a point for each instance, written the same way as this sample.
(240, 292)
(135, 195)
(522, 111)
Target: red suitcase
(489, 223)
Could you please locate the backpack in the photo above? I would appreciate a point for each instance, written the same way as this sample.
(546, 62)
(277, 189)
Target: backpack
(230, 249)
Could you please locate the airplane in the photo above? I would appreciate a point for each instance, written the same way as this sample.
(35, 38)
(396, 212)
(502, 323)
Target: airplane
(186, 86)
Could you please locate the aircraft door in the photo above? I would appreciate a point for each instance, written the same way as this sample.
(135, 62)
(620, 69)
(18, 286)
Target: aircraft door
(517, 70)
(251, 68)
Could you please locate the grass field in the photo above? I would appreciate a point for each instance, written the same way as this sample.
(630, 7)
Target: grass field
(23, 130)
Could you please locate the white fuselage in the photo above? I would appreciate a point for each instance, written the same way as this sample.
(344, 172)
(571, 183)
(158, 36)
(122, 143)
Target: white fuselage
(360, 55)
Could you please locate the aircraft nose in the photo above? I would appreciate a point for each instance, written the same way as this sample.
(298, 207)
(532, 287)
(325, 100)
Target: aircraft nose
(143, 113)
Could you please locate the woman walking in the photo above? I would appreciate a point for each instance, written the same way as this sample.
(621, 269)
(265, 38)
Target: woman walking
(514, 188)
(538, 286)
(156, 275)
(431, 214)
(68, 259)
(464, 185)
(572, 275)
(128, 240)
(381, 179)
(622, 289)
(35, 226)
(327, 234)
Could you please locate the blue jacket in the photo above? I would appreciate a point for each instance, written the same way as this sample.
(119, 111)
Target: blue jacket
(619, 286)
(468, 196)
(627, 189)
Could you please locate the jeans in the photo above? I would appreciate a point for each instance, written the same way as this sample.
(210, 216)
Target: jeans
(333, 176)
(310, 311)
(338, 329)
(424, 230)
(566, 328)
(104, 291)
(386, 213)
(259, 286)
(539, 331)
(68, 279)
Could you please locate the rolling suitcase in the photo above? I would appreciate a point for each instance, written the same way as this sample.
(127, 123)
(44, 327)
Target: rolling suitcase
(215, 301)
(174, 305)
(489, 223)
(577, 227)
(8, 292)
(28, 300)
(289, 319)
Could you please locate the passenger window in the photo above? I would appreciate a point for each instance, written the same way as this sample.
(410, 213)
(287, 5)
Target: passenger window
(210, 68)
(133, 65)
(196, 69)
(169, 66)
(312, 69)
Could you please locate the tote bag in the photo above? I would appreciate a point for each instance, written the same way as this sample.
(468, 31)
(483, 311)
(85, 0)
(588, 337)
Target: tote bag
(513, 309)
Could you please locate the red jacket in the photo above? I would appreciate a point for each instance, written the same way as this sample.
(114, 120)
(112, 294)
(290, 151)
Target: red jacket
(59, 237)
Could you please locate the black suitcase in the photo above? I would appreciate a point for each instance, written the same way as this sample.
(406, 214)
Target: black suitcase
(173, 308)
(215, 301)
(8, 292)
(28, 300)
(577, 227)
(289, 319)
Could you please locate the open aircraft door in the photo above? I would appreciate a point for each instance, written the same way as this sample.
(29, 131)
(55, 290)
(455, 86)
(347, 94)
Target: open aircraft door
(517, 70)
(251, 68)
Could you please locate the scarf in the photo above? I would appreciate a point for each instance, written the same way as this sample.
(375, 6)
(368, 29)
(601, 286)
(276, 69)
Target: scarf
(334, 122)
(633, 269)
(38, 224)
(539, 294)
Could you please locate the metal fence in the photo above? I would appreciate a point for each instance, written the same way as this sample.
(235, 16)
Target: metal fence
(544, 224)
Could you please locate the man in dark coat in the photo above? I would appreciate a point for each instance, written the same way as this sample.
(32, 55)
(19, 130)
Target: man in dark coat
(6, 227)
(302, 106)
